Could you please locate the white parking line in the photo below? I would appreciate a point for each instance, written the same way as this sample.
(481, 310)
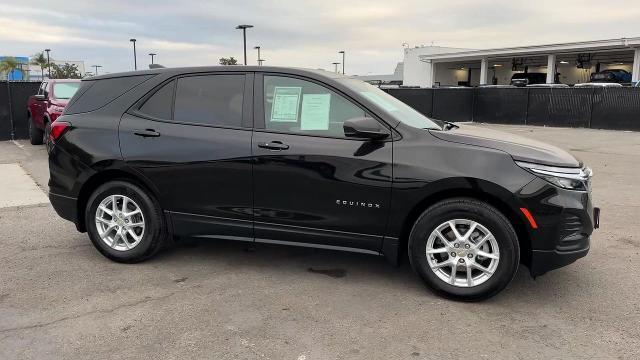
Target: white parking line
(17, 188)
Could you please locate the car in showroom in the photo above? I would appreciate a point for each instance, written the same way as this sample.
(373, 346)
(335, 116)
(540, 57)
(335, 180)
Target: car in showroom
(314, 159)
(44, 107)
(527, 78)
(611, 76)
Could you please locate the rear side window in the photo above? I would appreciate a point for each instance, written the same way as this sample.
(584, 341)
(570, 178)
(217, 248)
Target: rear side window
(95, 94)
(159, 104)
(210, 100)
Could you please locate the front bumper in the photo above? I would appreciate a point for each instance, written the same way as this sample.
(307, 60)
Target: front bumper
(565, 221)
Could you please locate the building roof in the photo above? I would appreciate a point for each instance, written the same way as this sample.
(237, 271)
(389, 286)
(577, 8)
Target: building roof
(561, 48)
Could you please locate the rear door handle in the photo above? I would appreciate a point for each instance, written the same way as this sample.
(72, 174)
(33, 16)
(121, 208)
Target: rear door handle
(146, 133)
(273, 145)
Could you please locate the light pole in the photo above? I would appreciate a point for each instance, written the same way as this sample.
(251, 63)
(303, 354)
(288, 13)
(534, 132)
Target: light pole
(135, 61)
(335, 66)
(342, 52)
(152, 55)
(260, 61)
(258, 48)
(96, 67)
(48, 64)
(244, 38)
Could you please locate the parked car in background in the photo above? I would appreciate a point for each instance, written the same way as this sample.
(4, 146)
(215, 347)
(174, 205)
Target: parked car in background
(524, 79)
(598, 84)
(314, 159)
(611, 76)
(549, 85)
(45, 107)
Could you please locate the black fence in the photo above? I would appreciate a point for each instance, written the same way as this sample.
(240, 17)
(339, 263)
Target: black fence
(16, 94)
(598, 108)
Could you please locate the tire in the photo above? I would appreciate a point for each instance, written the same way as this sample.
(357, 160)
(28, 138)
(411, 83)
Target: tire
(36, 135)
(154, 234)
(490, 273)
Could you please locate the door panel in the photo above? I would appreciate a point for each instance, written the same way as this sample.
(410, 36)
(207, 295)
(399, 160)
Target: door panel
(320, 190)
(203, 173)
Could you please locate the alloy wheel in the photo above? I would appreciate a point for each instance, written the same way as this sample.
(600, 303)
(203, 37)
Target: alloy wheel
(462, 253)
(120, 222)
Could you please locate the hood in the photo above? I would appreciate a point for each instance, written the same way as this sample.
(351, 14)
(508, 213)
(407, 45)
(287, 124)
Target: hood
(520, 148)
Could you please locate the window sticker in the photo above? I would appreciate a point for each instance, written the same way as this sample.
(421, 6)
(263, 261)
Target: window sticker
(315, 112)
(379, 101)
(286, 101)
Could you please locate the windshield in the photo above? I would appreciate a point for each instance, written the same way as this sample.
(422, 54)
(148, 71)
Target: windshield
(65, 90)
(396, 108)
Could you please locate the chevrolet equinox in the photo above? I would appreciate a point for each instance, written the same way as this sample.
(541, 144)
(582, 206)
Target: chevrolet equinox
(316, 159)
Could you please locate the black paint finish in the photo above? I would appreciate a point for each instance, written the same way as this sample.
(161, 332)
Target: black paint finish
(246, 183)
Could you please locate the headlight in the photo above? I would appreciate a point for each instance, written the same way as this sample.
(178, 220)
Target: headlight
(564, 177)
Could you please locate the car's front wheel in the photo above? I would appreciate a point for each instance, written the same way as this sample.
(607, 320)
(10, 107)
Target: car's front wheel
(124, 222)
(464, 249)
(36, 136)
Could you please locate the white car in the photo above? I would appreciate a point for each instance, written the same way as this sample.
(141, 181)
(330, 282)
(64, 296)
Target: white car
(597, 84)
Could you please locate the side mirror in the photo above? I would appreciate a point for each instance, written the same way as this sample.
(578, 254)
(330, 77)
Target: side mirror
(40, 97)
(365, 128)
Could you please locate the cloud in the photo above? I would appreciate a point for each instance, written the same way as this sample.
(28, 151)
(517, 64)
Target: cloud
(301, 33)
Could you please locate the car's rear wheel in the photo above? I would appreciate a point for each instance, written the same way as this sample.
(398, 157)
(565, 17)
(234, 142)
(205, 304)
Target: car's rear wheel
(124, 222)
(464, 249)
(36, 136)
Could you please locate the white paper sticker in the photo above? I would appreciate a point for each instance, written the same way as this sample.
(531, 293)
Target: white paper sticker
(286, 100)
(315, 112)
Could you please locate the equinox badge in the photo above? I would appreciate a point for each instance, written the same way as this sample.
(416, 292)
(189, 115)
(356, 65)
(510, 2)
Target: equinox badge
(358, 204)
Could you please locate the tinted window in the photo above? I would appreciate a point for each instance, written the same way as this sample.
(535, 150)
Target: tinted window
(95, 94)
(210, 99)
(300, 106)
(159, 104)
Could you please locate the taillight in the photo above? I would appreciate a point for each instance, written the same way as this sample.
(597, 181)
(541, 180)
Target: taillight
(58, 128)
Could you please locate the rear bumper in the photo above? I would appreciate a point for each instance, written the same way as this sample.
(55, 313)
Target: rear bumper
(66, 207)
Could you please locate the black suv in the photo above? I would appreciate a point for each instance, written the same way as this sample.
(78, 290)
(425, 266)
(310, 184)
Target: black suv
(311, 158)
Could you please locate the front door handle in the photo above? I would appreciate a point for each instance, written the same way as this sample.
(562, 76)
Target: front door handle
(273, 145)
(146, 133)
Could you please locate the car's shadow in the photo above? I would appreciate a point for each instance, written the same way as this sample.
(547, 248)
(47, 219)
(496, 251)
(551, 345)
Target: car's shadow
(302, 262)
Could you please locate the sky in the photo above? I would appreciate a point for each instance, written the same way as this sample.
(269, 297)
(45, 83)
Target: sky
(297, 33)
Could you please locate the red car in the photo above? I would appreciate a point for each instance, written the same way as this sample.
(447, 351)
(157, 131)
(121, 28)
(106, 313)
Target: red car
(45, 107)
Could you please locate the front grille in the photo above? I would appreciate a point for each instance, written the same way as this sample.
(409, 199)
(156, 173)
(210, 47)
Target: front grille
(572, 237)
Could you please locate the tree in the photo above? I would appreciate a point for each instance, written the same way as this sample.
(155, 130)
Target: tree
(7, 65)
(65, 71)
(228, 61)
(40, 60)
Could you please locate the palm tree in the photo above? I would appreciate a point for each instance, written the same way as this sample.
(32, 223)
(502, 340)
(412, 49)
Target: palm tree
(7, 65)
(40, 60)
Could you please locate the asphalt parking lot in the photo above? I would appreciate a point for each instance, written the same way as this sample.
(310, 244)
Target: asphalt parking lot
(59, 298)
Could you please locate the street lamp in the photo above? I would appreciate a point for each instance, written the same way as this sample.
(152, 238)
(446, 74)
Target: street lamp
(48, 64)
(152, 55)
(244, 38)
(335, 66)
(342, 52)
(96, 67)
(135, 62)
(260, 61)
(258, 48)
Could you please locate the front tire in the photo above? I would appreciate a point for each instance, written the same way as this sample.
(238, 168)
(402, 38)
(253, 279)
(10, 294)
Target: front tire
(124, 222)
(464, 249)
(36, 135)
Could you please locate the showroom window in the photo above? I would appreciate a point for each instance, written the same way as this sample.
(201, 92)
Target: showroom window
(159, 104)
(210, 100)
(299, 106)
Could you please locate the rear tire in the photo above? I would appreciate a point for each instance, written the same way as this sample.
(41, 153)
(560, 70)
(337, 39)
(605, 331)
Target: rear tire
(36, 135)
(474, 262)
(127, 241)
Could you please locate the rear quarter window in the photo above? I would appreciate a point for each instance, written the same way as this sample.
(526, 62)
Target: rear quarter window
(94, 94)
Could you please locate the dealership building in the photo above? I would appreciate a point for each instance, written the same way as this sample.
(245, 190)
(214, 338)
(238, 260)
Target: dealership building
(567, 63)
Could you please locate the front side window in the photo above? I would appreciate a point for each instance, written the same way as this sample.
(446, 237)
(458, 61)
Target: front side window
(210, 100)
(299, 106)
